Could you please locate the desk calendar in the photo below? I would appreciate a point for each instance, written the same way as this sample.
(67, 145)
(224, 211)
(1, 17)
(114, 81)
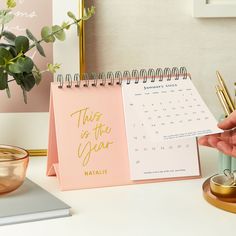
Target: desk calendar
(119, 129)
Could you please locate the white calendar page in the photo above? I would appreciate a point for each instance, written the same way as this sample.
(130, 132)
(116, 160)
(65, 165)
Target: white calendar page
(167, 110)
(162, 121)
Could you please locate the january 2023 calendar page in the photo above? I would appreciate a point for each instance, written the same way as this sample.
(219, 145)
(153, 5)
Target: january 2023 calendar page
(163, 119)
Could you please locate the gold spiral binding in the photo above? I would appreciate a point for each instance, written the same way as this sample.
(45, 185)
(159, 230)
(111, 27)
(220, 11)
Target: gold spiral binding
(112, 78)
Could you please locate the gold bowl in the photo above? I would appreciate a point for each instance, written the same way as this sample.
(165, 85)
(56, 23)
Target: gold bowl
(220, 189)
(13, 166)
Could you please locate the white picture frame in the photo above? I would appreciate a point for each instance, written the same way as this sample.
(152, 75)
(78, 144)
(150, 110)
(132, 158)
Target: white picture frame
(214, 8)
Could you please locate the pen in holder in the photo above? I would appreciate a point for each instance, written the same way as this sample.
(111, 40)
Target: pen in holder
(220, 189)
(233, 164)
(224, 161)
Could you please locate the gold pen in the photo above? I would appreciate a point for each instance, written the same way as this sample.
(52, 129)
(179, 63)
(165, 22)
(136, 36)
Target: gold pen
(38, 152)
(82, 39)
(222, 100)
(225, 91)
(235, 94)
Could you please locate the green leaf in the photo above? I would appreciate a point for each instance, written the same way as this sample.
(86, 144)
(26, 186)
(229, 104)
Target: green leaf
(30, 35)
(46, 34)
(4, 19)
(11, 3)
(10, 37)
(88, 13)
(8, 92)
(18, 78)
(91, 10)
(37, 75)
(40, 49)
(66, 25)
(5, 56)
(53, 67)
(58, 32)
(4, 12)
(23, 64)
(28, 82)
(26, 64)
(3, 80)
(10, 48)
(22, 44)
(71, 15)
(24, 94)
(37, 44)
(14, 68)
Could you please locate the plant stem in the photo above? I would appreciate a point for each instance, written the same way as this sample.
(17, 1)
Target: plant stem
(15, 58)
(55, 32)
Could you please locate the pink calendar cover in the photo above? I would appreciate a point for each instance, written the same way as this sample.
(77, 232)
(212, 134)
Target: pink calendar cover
(87, 138)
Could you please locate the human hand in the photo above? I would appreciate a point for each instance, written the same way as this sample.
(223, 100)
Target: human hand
(226, 141)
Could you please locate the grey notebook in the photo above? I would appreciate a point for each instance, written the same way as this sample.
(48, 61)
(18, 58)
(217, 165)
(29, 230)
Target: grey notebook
(30, 203)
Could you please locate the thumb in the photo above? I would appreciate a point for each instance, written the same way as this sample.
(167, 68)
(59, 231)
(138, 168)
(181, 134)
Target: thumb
(229, 122)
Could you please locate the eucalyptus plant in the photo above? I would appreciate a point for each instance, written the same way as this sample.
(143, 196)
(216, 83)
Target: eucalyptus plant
(15, 65)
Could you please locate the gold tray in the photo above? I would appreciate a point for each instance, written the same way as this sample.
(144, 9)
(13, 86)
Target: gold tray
(215, 201)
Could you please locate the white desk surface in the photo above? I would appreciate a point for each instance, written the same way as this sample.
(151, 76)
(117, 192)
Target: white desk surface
(168, 208)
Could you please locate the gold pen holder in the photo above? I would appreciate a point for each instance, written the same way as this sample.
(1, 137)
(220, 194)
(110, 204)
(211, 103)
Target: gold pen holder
(213, 191)
(218, 187)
